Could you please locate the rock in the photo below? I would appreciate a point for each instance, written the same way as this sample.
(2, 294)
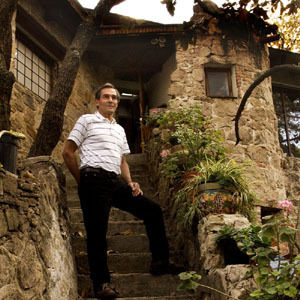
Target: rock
(10, 292)
(30, 270)
(3, 225)
(12, 218)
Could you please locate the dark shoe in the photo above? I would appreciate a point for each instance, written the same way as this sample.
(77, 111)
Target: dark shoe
(164, 267)
(106, 291)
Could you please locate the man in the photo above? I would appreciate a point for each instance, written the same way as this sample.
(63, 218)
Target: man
(102, 148)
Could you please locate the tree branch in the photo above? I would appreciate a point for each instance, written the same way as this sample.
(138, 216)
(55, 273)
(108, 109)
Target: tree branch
(262, 77)
(103, 8)
(82, 12)
(51, 124)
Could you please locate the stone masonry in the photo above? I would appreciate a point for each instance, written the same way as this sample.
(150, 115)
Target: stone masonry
(36, 260)
(258, 125)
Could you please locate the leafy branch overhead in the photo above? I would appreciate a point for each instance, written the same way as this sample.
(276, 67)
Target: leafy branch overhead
(259, 8)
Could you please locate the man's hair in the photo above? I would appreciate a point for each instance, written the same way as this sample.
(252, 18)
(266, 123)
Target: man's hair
(105, 86)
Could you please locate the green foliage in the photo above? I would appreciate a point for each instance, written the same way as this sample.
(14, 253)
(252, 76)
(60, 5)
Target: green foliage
(248, 239)
(190, 128)
(192, 145)
(189, 281)
(289, 28)
(277, 278)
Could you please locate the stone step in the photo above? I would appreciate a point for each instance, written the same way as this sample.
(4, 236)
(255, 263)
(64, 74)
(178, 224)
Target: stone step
(73, 204)
(72, 195)
(116, 228)
(136, 159)
(119, 263)
(183, 297)
(115, 215)
(118, 244)
(135, 285)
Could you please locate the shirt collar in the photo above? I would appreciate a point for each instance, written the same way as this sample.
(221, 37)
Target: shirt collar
(104, 119)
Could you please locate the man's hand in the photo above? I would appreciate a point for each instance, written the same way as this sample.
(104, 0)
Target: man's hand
(135, 187)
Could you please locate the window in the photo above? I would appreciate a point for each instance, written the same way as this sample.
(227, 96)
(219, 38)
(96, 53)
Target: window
(32, 71)
(218, 82)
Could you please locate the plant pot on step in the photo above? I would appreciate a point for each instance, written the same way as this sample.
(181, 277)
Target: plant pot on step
(215, 199)
(9, 141)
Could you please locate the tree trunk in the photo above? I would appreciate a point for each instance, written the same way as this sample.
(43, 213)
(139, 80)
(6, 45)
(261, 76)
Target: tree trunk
(7, 78)
(257, 81)
(51, 125)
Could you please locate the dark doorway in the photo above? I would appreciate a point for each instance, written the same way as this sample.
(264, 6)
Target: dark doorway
(129, 118)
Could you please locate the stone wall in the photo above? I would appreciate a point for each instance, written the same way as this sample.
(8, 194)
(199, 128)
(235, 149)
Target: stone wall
(157, 86)
(27, 108)
(231, 279)
(36, 260)
(258, 124)
(292, 170)
(55, 28)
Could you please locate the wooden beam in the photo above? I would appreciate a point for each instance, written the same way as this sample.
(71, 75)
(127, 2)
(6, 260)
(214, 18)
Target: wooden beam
(141, 105)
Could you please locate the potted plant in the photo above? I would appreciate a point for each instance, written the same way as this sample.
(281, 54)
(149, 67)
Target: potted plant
(217, 186)
(9, 141)
(204, 180)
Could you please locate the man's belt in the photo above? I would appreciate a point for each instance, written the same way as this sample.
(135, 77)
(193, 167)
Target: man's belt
(91, 170)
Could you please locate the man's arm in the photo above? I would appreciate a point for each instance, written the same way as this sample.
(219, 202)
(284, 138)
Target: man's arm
(125, 173)
(70, 159)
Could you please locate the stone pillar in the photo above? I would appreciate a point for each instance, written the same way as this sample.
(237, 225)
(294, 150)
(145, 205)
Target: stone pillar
(231, 279)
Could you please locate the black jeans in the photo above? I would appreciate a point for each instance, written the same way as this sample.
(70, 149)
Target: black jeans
(98, 192)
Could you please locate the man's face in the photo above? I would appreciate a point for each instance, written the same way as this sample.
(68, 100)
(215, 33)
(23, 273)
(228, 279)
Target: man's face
(108, 102)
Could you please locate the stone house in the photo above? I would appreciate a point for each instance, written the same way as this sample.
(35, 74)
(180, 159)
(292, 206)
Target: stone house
(151, 64)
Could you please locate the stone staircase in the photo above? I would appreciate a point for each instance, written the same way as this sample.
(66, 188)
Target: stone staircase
(128, 250)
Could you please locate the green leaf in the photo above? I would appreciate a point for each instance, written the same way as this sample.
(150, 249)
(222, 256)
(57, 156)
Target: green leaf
(185, 276)
(291, 292)
(264, 271)
(268, 232)
(287, 230)
(266, 218)
(285, 237)
(271, 291)
(257, 293)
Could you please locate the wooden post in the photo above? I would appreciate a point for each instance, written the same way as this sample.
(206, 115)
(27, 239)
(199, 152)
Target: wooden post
(141, 105)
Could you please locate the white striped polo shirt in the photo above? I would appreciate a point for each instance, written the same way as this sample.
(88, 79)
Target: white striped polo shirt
(101, 143)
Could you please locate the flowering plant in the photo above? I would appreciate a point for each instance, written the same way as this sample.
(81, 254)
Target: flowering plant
(275, 270)
(190, 139)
